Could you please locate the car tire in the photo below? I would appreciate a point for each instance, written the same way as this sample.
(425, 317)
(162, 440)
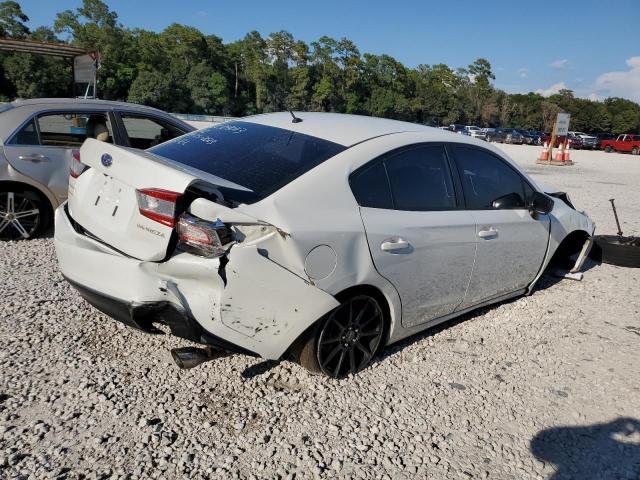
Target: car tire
(615, 250)
(24, 214)
(345, 340)
(635, 151)
(608, 149)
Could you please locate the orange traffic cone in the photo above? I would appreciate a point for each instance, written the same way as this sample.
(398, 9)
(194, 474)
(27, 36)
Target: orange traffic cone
(544, 155)
(560, 153)
(566, 157)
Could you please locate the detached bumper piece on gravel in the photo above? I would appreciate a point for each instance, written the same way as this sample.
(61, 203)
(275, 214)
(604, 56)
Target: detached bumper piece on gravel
(617, 250)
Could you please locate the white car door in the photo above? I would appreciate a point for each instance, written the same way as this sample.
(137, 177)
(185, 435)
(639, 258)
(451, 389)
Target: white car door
(42, 148)
(511, 242)
(419, 238)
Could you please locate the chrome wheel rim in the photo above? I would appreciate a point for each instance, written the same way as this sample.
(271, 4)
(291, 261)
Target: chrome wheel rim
(350, 337)
(19, 216)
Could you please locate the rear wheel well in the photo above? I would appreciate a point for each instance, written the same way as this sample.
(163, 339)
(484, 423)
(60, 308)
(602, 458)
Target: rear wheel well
(350, 292)
(7, 185)
(568, 248)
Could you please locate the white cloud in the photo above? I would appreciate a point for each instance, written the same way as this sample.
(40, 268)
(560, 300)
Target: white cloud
(201, 13)
(624, 84)
(560, 64)
(522, 72)
(555, 88)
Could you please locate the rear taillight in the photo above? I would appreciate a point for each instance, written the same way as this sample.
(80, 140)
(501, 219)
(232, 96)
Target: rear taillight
(200, 237)
(158, 205)
(77, 167)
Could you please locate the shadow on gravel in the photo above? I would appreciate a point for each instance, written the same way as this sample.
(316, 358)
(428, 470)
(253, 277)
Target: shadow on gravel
(259, 369)
(603, 451)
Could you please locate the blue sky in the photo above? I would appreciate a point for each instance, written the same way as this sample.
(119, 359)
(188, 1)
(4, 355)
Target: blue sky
(589, 46)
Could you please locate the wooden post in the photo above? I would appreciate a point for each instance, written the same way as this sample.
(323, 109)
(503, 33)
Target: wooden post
(552, 142)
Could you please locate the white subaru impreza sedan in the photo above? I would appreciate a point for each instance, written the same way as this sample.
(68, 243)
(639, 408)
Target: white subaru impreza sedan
(317, 236)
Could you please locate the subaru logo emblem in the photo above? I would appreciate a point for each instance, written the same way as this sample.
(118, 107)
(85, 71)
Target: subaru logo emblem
(106, 160)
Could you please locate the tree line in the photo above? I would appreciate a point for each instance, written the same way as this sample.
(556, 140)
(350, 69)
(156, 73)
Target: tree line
(183, 70)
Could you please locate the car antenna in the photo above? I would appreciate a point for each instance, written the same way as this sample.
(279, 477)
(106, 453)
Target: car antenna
(295, 119)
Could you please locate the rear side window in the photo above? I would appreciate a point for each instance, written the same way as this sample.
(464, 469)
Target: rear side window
(72, 129)
(486, 178)
(420, 179)
(259, 157)
(414, 179)
(371, 187)
(26, 136)
(144, 132)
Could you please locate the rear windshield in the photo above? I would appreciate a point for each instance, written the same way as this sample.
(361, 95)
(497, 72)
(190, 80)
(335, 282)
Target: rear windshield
(258, 157)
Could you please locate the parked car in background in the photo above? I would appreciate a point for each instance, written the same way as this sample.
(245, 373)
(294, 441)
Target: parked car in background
(588, 141)
(494, 135)
(475, 132)
(625, 143)
(603, 136)
(38, 139)
(531, 137)
(320, 239)
(457, 128)
(573, 142)
(512, 135)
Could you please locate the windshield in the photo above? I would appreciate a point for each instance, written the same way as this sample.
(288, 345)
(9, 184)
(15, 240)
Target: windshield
(258, 157)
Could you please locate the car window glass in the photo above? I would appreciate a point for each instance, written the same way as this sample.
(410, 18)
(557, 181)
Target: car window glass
(486, 178)
(420, 179)
(145, 132)
(71, 129)
(27, 135)
(259, 157)
(371, 187)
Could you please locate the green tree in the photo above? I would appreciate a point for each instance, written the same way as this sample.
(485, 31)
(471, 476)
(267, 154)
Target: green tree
(12, 20)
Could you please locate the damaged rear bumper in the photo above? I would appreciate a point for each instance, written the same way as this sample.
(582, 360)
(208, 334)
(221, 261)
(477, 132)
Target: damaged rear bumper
(144, 316)
(252, 304)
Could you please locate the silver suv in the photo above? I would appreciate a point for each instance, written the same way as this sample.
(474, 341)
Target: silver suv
(39, 138)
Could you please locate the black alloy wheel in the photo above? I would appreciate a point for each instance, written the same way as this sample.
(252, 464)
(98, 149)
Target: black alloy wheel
(350, 337)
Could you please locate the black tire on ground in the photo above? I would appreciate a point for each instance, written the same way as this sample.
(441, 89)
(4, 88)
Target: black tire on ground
(608, 149)
(635, 151)
(24, 214)
(615, 250)
(345, 341)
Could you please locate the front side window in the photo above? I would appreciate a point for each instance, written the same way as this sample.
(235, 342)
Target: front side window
(145, 132)
(72, 129)
(413, 179)
(486, 178)
(258, 157)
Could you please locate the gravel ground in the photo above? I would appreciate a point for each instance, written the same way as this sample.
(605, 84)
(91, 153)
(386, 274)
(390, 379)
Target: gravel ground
(545, 386)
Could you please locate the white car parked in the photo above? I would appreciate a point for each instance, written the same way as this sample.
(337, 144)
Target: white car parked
(475, 132)
(316, 236)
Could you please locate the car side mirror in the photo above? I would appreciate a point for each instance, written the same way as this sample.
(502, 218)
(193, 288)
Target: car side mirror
(541, 203)
(509, 201)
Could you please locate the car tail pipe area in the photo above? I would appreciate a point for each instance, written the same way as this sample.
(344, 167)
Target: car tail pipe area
(191, 357)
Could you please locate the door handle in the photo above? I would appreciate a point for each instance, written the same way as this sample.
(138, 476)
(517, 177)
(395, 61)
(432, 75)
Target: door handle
(34, 158)
(394, 245)
(488, 234)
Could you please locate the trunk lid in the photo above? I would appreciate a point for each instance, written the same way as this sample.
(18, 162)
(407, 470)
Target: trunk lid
(103, 199)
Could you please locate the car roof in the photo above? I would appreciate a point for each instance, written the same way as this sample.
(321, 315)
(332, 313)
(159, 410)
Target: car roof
(342, 128)
(56, 102)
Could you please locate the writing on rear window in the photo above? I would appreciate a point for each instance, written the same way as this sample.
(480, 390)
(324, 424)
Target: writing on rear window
(261, 158)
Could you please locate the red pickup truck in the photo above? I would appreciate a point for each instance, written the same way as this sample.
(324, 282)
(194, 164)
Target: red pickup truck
(624, 143)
